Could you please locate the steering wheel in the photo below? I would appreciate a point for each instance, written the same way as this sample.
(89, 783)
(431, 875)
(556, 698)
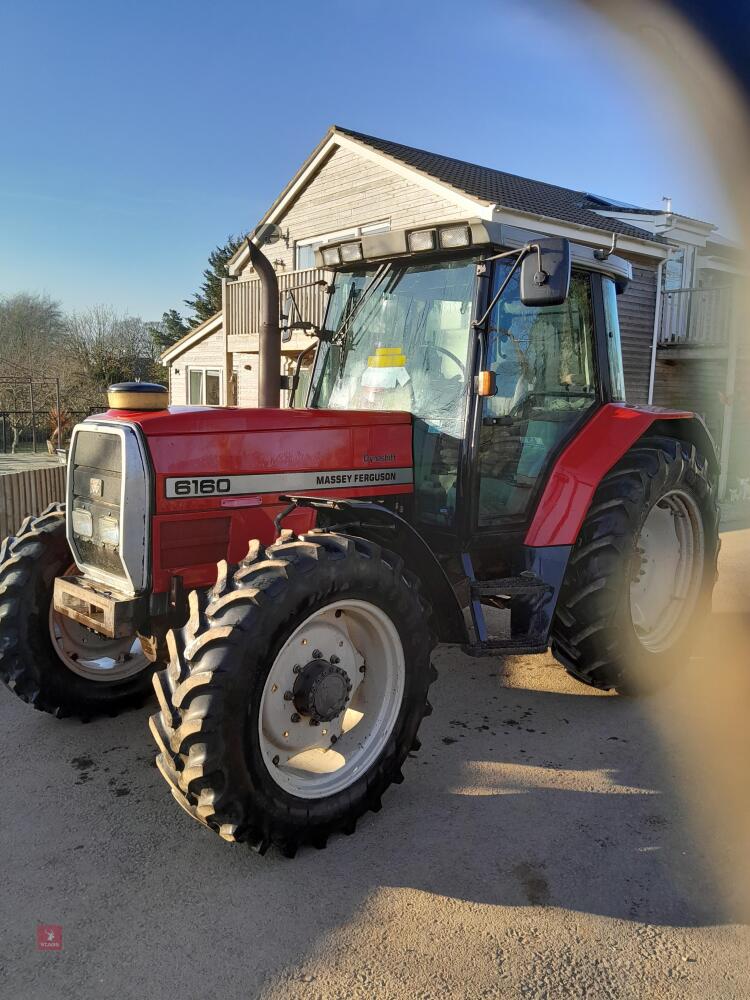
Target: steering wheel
(449, 354)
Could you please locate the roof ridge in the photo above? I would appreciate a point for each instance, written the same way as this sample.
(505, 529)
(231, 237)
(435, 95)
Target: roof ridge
(494, 186)
(456, 159)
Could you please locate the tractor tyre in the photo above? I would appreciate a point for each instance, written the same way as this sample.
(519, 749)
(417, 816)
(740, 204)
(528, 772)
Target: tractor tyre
(295, 691)
(640, 577)
(49, 661)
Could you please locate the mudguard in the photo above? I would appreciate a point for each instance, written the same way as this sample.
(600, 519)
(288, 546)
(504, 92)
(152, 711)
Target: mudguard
(379, 524)
(599, 445)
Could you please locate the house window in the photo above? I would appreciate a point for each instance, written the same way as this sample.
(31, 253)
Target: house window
(204, 386)
(304, 250)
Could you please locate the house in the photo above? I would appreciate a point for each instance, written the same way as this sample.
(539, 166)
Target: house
(674, 316)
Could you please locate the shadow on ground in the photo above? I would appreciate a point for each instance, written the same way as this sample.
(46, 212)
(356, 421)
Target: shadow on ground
(540, 794)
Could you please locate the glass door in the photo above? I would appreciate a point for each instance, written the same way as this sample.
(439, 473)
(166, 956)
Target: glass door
(543, 360)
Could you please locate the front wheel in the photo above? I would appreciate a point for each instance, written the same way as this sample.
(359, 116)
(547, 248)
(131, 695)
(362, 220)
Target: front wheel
(295, 691)
(642, 571)
(49, 661)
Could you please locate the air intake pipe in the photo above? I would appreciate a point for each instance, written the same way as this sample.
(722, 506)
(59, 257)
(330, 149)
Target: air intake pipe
(269, 346)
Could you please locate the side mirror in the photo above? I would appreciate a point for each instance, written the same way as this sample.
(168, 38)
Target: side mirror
(287, 305)
(545, 272)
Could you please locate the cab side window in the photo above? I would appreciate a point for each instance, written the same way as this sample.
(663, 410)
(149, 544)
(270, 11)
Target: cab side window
(544, 368)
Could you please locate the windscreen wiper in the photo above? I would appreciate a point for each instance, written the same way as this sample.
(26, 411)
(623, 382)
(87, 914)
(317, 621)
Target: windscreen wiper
(340, 334)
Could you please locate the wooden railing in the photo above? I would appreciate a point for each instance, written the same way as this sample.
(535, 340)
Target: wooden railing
(242, 307)
(696, 317)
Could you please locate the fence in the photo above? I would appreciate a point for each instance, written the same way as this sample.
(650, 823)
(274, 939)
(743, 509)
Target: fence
(28, 492)
(242, 313)
(696, 316)
(29, 430)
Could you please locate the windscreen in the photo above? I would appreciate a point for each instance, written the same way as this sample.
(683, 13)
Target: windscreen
(399, 341)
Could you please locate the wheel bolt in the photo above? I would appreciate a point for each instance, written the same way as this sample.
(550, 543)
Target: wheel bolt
(295, 718)
(333, 739)
(362, 668)
(335, 659)
(276, 760)
(313, 722)
(288, 696)
(317, 655)
(296, 669)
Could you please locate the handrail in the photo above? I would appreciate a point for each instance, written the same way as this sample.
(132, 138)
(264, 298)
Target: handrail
(242, 308)
(695, 316)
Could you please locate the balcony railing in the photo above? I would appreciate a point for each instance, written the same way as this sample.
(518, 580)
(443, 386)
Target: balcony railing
(242, 312)
(695, 317)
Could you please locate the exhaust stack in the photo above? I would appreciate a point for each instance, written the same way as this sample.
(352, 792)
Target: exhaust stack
(269, 346)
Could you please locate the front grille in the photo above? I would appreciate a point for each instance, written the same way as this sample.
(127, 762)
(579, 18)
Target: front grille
(103, 459)
(96, 472)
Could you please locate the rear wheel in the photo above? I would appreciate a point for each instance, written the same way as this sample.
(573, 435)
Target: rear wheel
(49, 661)
(641, 573)
(295, 691)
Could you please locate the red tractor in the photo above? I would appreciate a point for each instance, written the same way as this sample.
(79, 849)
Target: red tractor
(461, 443)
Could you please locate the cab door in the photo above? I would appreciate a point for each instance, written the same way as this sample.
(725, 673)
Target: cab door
(544, 360)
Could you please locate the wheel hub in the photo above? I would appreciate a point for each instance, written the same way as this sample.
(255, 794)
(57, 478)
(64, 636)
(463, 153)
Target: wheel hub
(321, 690)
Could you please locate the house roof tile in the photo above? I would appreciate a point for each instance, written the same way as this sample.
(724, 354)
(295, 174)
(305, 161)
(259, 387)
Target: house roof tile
(506, 190)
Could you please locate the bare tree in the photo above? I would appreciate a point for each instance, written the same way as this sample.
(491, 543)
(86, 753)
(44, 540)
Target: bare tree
(31, 332)
(100, 347)
(86, 351)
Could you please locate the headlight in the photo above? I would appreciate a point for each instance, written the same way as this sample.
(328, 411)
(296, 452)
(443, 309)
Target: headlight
(455, 236)
(351, 251)
(109, 530)
(331, 256)
(423, 239)
(83, 525)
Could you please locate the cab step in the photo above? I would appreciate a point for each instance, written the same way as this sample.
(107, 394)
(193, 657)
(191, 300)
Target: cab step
(506, 647)
(526, 586)
(526, 583)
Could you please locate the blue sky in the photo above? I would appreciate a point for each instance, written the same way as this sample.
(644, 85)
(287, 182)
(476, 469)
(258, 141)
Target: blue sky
(136, 136)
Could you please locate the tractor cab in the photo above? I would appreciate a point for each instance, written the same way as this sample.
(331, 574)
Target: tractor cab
(499, 343)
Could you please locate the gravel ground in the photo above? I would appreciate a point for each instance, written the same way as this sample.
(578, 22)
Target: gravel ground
(549, 842)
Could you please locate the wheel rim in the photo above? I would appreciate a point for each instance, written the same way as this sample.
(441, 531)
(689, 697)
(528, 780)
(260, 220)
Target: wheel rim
(668, 571)
(90, 655)
(347, 650)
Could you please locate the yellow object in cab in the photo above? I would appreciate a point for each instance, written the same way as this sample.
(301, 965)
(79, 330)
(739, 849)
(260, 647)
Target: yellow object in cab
(387, 357)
